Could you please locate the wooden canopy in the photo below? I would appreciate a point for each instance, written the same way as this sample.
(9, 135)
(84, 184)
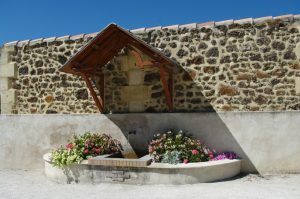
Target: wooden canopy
(104, 46)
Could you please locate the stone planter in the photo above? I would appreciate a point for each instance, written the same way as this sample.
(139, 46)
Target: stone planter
(155, 173)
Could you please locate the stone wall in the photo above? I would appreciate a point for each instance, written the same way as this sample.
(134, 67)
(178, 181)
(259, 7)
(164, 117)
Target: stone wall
(241, 66)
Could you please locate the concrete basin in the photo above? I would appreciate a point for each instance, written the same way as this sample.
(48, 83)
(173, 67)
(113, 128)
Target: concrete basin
(155, 173)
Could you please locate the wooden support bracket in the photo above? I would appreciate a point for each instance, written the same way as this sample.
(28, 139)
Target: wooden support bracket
(98, 101)
(167, 87)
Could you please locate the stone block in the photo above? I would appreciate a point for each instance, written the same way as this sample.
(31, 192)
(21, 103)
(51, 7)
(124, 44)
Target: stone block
(154, 28)
(263, 19)
(50, 39)
(6, 108)
(243, 21)
(136, 106)
(4, 84)
(297, 85)
(8, 70)
(189, 26)
(24, 42)
(138, 30)
(35, 41)
(226, 22)
(206, 24)
(8, 97)
(134, 93)
(13, 43)
(75, 37)
(136, 77)
(66, 37)
(6, 52)
(172, 27)
(288, 17)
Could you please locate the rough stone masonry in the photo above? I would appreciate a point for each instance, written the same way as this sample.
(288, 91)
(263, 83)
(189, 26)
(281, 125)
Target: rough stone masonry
(243, 65)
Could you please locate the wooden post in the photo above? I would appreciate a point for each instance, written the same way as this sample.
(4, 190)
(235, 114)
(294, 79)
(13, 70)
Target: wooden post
(99, 102)
(166, 85)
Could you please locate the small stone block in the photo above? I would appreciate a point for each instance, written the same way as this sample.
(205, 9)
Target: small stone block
(50, 39)
(91, 35)
(297, 17)
(172, 27)
(189, 26)
(288, 17)
(13, 43)
(24, 42)
(226, 22)
(243, 21)
(206, 24)
(77, 37)
(66, 37)
(263, 19)
(8, 70)
(4, 84)
(138, 30)
(35, 41)
(297, 85)
(154, 28)
(8, 97)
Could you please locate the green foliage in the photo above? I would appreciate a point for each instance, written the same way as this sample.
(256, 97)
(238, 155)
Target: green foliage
(190, 150)
(171, 157)
(83, 146)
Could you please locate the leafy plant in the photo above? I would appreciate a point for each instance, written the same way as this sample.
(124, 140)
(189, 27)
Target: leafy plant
(171, 157)
(190, 150)
(83, 146)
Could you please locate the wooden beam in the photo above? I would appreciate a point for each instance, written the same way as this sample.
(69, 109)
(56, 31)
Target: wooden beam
(166, 85)
(99, 102)
(138, 60)
(102, 92)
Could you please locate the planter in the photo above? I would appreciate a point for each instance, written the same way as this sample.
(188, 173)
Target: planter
(155, 173)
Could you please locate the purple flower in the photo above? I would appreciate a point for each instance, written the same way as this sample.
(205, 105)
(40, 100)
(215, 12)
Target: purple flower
(226, 155)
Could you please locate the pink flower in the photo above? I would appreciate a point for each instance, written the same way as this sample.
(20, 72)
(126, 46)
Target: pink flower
(195, 152)
(70, 146)
(211, 156)
(150, 149)
(86, 151)
(185, 161)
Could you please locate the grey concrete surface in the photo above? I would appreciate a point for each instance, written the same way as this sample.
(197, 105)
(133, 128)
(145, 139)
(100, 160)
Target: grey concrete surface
(155, 173)
(267, 141)
(33, 184)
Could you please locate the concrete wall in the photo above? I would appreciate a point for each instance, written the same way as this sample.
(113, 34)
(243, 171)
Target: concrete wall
(268, 141)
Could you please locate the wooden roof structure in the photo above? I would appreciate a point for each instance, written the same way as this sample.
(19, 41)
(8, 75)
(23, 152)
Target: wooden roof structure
(105, 46)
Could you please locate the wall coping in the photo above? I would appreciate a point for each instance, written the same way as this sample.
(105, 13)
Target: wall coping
(287, 17)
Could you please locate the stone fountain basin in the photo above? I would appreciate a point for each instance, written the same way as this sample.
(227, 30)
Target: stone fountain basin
(155, 173)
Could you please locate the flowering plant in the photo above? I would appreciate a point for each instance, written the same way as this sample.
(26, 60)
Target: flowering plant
(83, 146)
(226, 155)
(187, 149)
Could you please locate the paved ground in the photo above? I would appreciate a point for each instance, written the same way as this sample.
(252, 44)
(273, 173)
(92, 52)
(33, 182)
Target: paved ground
(32, 184)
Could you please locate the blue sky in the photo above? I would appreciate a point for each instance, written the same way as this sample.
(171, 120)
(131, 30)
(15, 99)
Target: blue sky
(31, 19)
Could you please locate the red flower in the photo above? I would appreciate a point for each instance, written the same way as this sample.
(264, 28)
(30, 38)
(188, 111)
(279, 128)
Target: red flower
(185, 161)
(195, 152)
(98, 150)
(211, 156)
(86, 151)
(70, 146)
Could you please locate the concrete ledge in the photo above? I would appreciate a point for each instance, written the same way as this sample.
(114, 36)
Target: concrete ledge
(156, 173)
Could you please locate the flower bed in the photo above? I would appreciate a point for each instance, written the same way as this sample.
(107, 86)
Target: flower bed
(83, 146)
(179, 147)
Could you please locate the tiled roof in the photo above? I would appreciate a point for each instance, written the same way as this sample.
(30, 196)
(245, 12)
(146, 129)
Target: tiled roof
(288, 17)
